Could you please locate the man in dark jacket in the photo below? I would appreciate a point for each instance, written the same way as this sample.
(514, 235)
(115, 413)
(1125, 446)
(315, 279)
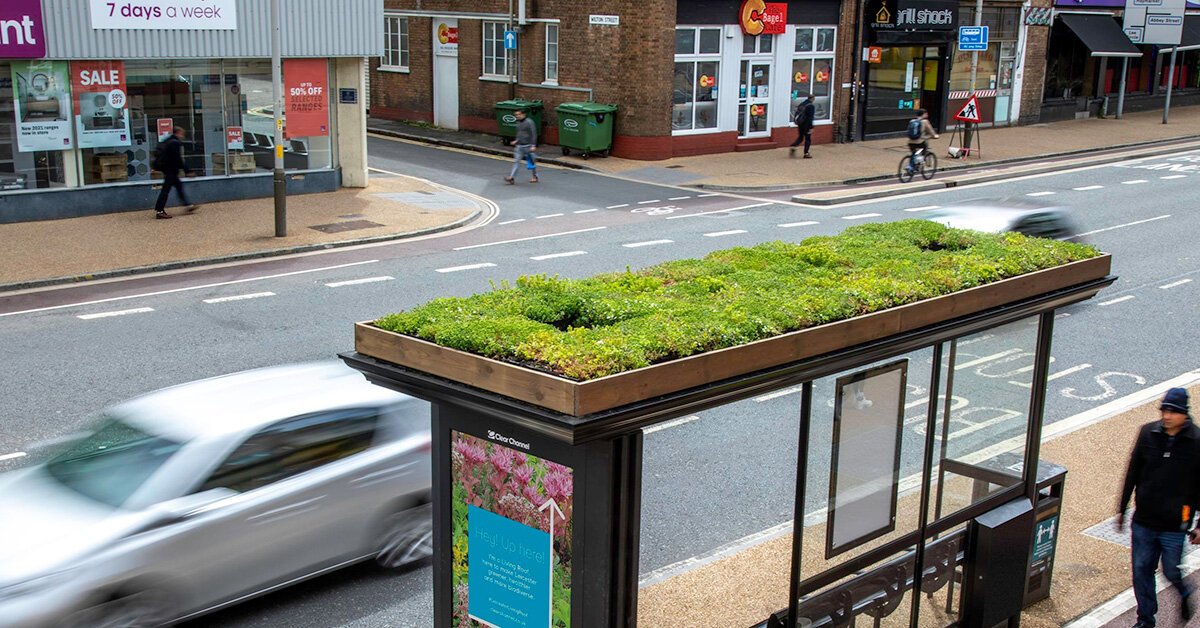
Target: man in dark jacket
(525, 148)
(1164, 471)
(170, 162)
(805, 114)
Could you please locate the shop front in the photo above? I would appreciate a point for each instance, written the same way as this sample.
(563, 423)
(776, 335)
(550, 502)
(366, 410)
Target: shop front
(995, 87)
(88, 94)
(906, 63)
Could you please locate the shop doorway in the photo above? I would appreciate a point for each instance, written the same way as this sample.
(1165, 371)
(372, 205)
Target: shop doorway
(445, 73)
(754, 99)
(905, 79)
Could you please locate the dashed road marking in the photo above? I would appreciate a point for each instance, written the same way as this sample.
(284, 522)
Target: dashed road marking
(355, 282)
(509, 222)
(1041, 193)
(987, 358)
(1133, 182)
(618, 206)
(707, 195)
(1088, 187)
(240, 297)
(13, 456)
(585, 211)
(720, 211)
(717, 234)
(779, 393)
(649, 201)
(860, 216)
(1175, 284)
(669, 424)
(678, 198)
(634, 245)
(788, 225)
(538, 237)
(1173, 176)
(136, 310)
(454, 269)
(923, 208)
(1128, 224)
(547, 216)
(557, 255)
(1117, 300)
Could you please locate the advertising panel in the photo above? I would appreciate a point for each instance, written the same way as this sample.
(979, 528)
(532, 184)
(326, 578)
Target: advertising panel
(447, 38)
(307, 97)
(21, 30)
(41, 103)
(164, 14)
(100, 102)
(511, 537)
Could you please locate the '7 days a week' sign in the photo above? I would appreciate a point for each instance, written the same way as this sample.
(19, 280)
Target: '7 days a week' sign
(164, 14)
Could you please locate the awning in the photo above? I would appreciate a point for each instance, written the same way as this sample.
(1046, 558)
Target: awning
(1191, 35)
(1101, 34)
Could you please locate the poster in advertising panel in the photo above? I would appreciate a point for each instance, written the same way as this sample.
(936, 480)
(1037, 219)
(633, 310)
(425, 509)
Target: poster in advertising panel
(511, 537)
(101, 104)
(306, 88)
(41, 103)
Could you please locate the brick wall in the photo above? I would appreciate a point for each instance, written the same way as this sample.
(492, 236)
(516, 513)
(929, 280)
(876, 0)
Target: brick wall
(1033, 67)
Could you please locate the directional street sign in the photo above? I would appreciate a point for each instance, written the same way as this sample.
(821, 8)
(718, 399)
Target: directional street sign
(973, 38)
(510, 40)
(969, 112)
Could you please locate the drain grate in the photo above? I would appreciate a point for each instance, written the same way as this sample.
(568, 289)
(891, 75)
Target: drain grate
(349, 225)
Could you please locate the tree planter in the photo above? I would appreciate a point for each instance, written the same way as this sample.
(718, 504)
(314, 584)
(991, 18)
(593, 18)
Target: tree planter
(579, 399)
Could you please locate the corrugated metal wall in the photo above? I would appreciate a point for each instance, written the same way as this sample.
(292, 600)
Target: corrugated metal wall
(311, 28)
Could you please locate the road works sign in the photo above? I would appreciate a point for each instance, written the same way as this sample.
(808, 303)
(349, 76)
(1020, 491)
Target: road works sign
(969, 112)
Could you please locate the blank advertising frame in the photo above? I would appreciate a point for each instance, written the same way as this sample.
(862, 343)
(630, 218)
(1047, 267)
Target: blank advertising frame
(861, 411)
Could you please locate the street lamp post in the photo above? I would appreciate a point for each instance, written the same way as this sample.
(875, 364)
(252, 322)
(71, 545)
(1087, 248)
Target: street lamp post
(277, 109)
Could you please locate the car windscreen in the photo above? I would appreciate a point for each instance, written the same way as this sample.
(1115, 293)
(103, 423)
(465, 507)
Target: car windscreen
(112, 463)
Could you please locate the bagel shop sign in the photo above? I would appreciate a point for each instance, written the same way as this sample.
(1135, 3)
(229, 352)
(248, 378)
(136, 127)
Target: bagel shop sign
(763, 18)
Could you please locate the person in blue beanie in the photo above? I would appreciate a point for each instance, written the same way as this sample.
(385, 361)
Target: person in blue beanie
(1164, 478)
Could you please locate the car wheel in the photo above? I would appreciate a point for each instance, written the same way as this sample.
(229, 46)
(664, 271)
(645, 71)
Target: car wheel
(406, 537)
(139, 609)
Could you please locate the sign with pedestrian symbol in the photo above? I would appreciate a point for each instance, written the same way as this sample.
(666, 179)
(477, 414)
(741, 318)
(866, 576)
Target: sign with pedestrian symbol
(973, 38)
(969, 112)
(510, 40)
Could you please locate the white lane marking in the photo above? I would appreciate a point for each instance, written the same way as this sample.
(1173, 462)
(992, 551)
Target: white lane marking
(650, 201)
(1117, 300)
(1041, 193)
(779, 393)
(717, 234)
(860, 216)
(1062, 373)
(618, 206)
(355, 282)
(136, 310)
(1062, 315)
(547, 216)
(1128, 224)
(454, 269)
(548, 235)
(788, 225)
(1133, 182)
(634, 245)
(669, 424)
(1175, 284)
(678, 198)
(174, 290)
(556, 255)
(719, 211)
(240, 297)
(922, 208)
(13, 456)
(976, 339)
(1088, 187)
(509, 222)
(706, 195)
(1173, 176)
(585, 211)
(986, 358)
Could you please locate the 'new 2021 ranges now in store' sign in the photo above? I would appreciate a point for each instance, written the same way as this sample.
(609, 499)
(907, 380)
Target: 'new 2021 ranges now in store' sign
(164, 14)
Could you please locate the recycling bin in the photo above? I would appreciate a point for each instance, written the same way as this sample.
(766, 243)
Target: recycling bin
(586, 127)
(506, 116)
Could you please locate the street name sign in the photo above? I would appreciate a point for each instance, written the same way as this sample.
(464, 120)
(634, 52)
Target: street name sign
(1158, 22)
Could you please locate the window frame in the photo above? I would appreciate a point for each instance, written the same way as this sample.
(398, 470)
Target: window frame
(695, 58)
(497, 39)
(552, 80)
(397, 25)
(813, 56)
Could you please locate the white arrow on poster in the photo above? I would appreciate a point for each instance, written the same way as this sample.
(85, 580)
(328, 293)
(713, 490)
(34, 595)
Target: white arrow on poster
(969, 112)
(554, 509)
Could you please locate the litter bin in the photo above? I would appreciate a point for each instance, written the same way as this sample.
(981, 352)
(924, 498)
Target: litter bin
(1050, 480)
(586, 127)
(506, 116)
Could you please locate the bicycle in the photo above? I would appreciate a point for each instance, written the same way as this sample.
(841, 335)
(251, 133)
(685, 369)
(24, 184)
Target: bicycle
(920, 160)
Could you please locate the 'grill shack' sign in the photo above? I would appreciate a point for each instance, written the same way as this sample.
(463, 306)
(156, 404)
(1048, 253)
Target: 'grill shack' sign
(763, 18)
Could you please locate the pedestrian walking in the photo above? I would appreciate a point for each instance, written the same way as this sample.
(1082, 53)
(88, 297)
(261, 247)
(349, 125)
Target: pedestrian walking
(168, 160)
(805, 113)
(1164, 479)
(524, 148)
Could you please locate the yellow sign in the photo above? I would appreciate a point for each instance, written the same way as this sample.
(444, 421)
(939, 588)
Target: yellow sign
(751, 21)
(707, 81)
(279, 151)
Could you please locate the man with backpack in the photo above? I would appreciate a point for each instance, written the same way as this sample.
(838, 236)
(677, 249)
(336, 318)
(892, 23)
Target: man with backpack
(919, 132)
(168, 159)
(805, 113)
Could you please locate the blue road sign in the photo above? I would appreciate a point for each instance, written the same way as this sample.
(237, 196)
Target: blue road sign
(510, 40)
(973, 38)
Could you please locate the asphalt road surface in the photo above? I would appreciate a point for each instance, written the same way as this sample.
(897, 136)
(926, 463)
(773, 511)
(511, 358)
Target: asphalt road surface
(710, 480)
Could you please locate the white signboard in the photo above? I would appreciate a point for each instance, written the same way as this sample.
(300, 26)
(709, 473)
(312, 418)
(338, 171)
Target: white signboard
(604, 20)
(164, 14)
(1154, 21)
(445, 37)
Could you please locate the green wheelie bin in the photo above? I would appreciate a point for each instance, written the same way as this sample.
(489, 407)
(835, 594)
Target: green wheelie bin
(586, 127)
(506, 116)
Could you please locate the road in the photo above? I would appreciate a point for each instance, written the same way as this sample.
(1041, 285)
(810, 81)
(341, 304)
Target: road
(65, 353)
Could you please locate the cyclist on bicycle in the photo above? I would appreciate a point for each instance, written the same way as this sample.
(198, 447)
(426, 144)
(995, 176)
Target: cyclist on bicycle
(919, 133)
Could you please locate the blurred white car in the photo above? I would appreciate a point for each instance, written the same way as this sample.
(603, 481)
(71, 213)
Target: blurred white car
(999, 215)
(202, 495)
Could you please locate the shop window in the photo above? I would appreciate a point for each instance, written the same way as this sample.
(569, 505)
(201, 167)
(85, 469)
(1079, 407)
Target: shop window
(495, 58)
(552, 53)
(757, 44)
(24, 170)
(694, 84)
(395, 43)
(697, 41)
(812, 69)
